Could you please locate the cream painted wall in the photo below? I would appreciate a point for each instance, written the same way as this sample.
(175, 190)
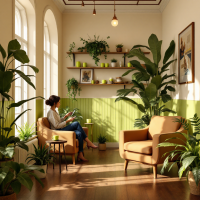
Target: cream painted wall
(176, 17)
(41, 7)
(132, 29)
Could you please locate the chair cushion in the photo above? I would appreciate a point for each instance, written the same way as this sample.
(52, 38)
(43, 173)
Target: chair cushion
(46, 122)
(144, 147)
(163, 124)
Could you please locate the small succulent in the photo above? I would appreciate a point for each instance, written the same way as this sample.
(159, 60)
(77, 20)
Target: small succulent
(113, 60)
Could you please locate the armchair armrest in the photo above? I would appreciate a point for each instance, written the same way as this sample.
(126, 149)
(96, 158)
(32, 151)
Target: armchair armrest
(131, 135)
(157, 152)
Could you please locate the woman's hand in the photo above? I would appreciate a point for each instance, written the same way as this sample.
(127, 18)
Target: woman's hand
(71, 119)
(68, 114)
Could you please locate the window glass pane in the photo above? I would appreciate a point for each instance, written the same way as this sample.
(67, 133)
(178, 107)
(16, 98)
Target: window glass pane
(44, 71)
(48, 77)
(18, 79)
(17, 22)
(44, 43)
(25, 32)
(18, 98)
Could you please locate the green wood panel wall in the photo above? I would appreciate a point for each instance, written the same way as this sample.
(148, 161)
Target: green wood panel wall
(10, 117)
(110, 117)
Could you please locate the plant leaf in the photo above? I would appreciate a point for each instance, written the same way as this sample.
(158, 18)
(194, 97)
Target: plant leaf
(129, 71)
(156, 80)
(21, 56)
(3, 52)
(16, 186)
(141, 108)
(126, 99)
(196, 174)
(138, 66)
(169, 52)
(13, 45)
(151, 91)
(139, 46)
(5, 81)
(25, 180)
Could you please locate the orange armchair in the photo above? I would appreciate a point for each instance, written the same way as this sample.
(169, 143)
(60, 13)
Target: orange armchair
(45, 133)
(141, 145)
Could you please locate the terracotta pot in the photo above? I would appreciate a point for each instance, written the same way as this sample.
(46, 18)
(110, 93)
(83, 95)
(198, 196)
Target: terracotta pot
(40, 174)
(9, 197)
(119, 49)
(194, 189)
(102, 147)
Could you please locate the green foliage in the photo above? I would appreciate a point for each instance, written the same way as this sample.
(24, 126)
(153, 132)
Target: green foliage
(26, 132)
(149, 83)
(64, 111)
(7, 77)
(188, 154)
(71, 48)
(95, 47)
(113, 60)
(41, 156)
(102, 139)
(73, 88)
(13, 175)
(119, 45)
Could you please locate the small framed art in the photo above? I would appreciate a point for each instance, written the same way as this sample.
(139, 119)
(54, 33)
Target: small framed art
(86, 75)
(186, 55)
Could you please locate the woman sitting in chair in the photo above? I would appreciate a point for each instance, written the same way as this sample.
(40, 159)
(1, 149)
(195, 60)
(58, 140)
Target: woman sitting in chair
(58, 123)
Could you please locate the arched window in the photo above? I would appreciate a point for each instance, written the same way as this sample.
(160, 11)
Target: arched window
(47, 66)
(21, 88)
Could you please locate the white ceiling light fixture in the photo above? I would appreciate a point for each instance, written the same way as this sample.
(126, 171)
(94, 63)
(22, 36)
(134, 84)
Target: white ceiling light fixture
(114, 21)
(94, 11)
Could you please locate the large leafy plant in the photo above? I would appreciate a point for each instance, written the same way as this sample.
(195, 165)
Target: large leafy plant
(150, 83)
(95, 47)
(64, 111)
(13, 175)
(7, 76)
(41, 155)
(188, 153)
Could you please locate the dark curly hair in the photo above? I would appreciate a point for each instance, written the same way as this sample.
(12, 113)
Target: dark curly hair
(52, 99)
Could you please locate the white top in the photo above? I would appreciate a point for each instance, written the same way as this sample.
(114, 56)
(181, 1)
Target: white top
(55, 121)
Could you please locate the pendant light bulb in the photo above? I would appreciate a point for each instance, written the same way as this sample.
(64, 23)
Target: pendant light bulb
(114, 21)
(94, 11)
(83, 4)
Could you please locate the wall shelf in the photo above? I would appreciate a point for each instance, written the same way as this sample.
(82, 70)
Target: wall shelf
(105, 84)
(124, 53)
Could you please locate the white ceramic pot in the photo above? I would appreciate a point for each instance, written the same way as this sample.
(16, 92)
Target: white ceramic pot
(113, 64)
(40, 174)
(102, 147)
(194, 189)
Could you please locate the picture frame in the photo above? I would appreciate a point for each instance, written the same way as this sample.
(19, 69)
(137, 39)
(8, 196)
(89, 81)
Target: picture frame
(86, 75)
(186, 53)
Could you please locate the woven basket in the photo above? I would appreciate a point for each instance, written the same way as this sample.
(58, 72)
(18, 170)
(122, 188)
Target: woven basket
(194, 189)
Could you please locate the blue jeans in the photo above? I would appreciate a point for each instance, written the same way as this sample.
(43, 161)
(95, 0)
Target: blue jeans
(80, 133)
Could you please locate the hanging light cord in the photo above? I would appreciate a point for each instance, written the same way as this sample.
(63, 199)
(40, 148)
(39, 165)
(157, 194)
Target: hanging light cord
(114, 8)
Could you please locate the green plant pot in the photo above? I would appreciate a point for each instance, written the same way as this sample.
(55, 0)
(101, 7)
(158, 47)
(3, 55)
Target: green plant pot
(106, 64)
(129, 65)
(78, 64)
(102, 64)
(84, 64)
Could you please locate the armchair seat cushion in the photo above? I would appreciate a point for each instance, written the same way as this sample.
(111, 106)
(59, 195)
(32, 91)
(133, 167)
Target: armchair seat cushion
(144, 147)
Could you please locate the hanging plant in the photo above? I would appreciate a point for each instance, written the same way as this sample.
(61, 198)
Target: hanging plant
(71, 48)
(73, 88)
(95, 47)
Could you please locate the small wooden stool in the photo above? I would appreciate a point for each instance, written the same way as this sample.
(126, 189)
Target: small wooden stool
(58, 142)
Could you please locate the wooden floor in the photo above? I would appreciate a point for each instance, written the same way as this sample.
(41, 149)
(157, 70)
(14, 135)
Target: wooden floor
(103, 178)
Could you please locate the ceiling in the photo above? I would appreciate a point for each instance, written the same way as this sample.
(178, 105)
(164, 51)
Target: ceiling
(129, 6)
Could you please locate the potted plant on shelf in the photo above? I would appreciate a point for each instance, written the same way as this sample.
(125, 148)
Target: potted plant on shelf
(64, 111)
(113, 62)
(13, 175)
(119, 47)
(7, 77)
(26, 132)
(102, 139)
(42, 158)
(71, 48)
(73, 88)
(188, 154)
(155, 92)
(95, 47)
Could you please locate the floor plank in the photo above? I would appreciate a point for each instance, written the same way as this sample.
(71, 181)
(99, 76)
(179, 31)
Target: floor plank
(104, 178)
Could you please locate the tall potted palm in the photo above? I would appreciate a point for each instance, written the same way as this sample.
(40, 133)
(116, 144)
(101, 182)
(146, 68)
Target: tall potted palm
(151, 83)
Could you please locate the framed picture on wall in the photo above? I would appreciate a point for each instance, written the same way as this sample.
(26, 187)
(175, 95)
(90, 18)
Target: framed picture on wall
(86, 75)
(186, 55)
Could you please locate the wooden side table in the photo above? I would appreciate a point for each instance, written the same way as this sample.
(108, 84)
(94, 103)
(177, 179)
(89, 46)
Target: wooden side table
(91, 124)
(59, 142)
